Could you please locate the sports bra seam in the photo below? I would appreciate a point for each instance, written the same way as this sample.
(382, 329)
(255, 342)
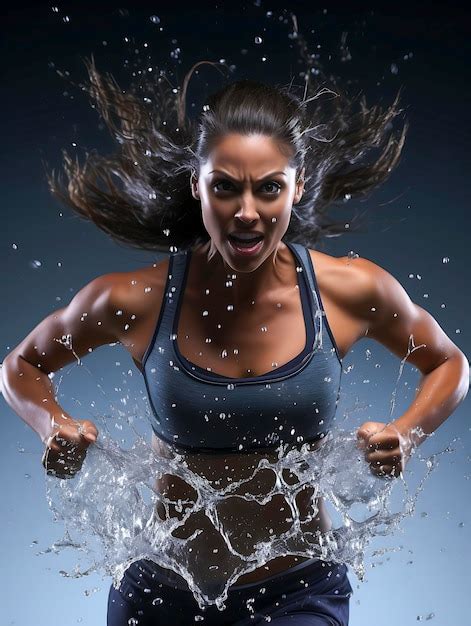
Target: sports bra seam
(161, 314)
(324, 315)
(232, 449)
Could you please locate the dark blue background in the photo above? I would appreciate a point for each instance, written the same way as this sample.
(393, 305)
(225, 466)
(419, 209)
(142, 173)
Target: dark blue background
(420, 216)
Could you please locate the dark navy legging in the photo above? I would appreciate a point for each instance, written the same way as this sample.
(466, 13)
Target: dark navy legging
(313, 593)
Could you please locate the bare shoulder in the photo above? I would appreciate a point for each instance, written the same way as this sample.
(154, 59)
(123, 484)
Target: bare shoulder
(135, 300)
(356, 294)
(376, 299)
(135, 290)
(110, 308)
(347, 281)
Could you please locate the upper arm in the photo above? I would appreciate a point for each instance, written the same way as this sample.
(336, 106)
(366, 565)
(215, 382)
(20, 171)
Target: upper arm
(73, 331)
(399, 324)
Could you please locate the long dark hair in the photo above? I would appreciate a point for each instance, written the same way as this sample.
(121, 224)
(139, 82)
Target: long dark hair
(141, 196)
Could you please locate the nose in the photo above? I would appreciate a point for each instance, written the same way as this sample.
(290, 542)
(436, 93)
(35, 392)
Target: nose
(248, 210)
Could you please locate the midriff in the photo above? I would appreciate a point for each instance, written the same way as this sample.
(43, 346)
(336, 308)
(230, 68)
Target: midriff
(236, 514)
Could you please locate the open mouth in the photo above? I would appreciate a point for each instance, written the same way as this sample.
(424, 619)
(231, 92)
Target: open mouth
(246, 246)
(244, 242)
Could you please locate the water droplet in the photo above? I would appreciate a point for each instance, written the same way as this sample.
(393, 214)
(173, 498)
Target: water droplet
(155, 19)
(258, 40)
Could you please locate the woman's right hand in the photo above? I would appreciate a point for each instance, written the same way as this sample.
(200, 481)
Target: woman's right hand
(66, 446)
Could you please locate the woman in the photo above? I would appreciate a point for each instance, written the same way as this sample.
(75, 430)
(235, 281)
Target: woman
(241, 336)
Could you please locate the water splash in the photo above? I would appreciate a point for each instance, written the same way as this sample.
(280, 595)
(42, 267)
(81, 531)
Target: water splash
(111, 505)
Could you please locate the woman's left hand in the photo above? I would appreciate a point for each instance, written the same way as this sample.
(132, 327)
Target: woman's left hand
(386, 448)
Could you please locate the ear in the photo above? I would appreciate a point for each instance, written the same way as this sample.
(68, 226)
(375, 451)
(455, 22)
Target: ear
(299, 186)
(194, 185)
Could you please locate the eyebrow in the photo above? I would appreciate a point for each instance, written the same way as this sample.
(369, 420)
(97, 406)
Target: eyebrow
(262, 178)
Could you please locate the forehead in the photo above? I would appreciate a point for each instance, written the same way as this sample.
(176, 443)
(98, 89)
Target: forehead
(247, 151)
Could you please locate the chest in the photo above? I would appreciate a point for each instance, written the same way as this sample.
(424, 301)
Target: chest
(243, 342)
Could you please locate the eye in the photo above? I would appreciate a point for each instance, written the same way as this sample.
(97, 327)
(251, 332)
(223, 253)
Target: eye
(221, 182)
(275, 187)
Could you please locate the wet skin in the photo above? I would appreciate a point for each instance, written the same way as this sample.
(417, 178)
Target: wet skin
(257, 354)
(360, 299)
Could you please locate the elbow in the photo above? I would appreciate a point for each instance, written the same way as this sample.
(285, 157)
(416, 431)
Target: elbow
(463, 365)
(11, 360)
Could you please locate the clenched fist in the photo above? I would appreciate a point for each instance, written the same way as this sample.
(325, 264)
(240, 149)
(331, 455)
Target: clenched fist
(387, 449)
(66, 446)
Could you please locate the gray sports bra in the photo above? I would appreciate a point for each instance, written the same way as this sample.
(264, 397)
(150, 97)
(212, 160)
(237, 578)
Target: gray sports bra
(199, 410)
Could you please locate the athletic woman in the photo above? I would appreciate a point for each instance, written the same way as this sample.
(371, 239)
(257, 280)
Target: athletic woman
(241, 332)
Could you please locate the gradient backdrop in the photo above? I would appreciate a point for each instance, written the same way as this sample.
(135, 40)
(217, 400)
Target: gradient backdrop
(419, 217)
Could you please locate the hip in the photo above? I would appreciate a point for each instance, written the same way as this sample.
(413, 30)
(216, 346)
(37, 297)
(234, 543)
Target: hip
(158, 595)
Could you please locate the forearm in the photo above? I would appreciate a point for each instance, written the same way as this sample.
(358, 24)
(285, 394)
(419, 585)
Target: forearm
(440, 392)
(30, 393)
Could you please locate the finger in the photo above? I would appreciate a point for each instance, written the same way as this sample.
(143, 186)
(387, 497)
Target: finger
(387, 469)
(383, 441)
(89, 438)
(384, 456)
(383, 470)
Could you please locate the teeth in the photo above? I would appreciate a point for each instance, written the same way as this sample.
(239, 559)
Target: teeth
(246, 236)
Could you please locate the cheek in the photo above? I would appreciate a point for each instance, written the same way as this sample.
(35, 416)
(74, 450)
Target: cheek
(282, 217)
(213, 219)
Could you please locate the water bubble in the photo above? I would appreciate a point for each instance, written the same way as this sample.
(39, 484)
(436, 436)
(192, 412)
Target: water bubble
(258, 40)
(155, 19)
(35, 264)
(394, 68)
(446, 259)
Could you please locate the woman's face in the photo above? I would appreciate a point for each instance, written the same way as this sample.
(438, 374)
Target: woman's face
(246, 185)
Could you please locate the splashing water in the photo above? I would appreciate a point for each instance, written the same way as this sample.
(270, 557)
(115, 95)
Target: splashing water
(111, 506)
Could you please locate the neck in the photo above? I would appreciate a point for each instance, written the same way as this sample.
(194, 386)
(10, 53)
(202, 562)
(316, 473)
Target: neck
(246, 287)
